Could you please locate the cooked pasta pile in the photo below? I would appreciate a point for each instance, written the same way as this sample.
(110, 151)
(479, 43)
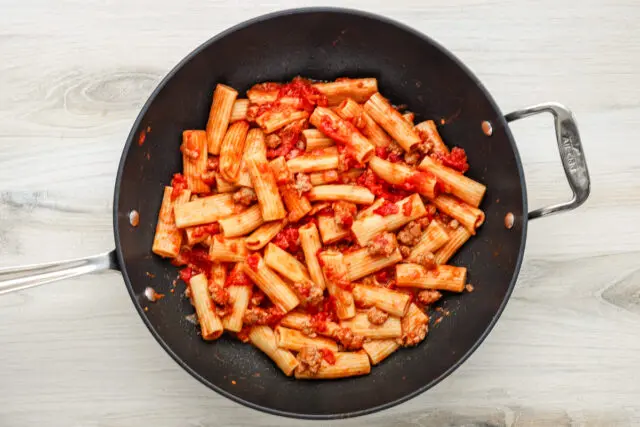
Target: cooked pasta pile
(315, 221)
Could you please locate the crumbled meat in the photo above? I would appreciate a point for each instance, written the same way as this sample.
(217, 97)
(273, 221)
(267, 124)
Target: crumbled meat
(344, 213)
(377, 316)
(412, 158)
(309, 292)
(429, 296)
(395, 148)
(427, 260)
(431, 210)
(308, 330)
(222, 311)
(405, 251)
(309, 360)
(370, 280)
(257, 297)
(425, 146)
(384, 244)
(469, 287)
(423, 222)
(348, 339)
(453, 224)
(303, 183)
(219, 294)
(244, 196)
(410, 234)
(272, 140)
(255, 316)
(208, 176)
(412, 332)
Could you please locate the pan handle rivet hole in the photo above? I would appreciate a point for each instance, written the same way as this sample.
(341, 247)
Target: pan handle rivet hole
(509, 220)
(487, 129)
(134, 218)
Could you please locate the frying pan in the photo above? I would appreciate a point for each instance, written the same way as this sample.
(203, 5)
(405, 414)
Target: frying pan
(324, 44)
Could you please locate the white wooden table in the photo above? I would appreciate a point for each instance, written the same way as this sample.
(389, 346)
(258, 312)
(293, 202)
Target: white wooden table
(73, 75)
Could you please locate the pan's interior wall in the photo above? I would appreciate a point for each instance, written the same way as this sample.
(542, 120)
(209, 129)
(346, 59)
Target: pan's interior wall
(324, 45)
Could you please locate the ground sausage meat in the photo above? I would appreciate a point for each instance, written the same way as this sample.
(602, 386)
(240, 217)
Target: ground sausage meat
(344, 213)
(410, 234)
(384, 244)
(428, 296)
(272, 140)
(219, 295)
(309, 360)
(255, 316)
(405, 251)
(303, 183)
(309, 292)
(427, 260)
(244, 196)
(348, 339)
(377, 316)
(423, 222)
(412, 332)
(412, 158)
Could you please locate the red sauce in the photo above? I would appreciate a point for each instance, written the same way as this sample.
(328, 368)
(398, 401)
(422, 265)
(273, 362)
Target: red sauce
(386, 275)
(243, 335)
(457, 159)
(319, 321)
(253, 261)
(328, 356)
(197, 259)
(266, 87)
(382, 152)
(142, 137)
(206, 230)
(328, 211)
(179, 183)
(288, 239)
(289, 135)
(381, 188)
(387, 208)
(186, 274)
(274, 317)
(416, 182)
(237, 278)
(348, 159)
(302, 89)
(406, 208)
(395, 158)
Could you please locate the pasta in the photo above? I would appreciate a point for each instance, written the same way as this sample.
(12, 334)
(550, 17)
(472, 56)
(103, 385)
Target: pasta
(315, 221)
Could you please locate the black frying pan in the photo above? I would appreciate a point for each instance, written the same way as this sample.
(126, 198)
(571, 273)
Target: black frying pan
(325, 44)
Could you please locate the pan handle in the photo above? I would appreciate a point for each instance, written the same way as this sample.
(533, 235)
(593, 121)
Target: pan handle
(571, 154)
(17, 278)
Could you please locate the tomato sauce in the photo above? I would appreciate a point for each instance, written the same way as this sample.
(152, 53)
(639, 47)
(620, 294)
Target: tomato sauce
(197, 260)
(237, 278)
(328, 356)
(289, 136)
(288, 239)
(381, 188)
(206, 230)
(179, 183)
(406, 208)
(302, 89)
(457, 159)
(253, 261)
(387, 208)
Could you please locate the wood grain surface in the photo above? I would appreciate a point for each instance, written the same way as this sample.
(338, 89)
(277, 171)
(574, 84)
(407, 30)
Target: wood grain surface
(73, 75)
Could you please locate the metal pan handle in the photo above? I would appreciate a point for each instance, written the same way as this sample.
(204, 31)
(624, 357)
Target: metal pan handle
(571, 154)
(27, 276)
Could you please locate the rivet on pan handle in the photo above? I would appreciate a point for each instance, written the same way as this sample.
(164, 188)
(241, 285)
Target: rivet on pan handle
(27, 276)
(571, 154)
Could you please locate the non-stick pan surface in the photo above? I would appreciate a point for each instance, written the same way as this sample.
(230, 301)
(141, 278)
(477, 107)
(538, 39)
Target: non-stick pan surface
(324, 44)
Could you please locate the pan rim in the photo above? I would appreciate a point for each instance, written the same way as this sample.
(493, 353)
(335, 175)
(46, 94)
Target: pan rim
(132, 137)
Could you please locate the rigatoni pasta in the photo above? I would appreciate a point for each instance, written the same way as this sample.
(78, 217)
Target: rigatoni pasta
(330, 289)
